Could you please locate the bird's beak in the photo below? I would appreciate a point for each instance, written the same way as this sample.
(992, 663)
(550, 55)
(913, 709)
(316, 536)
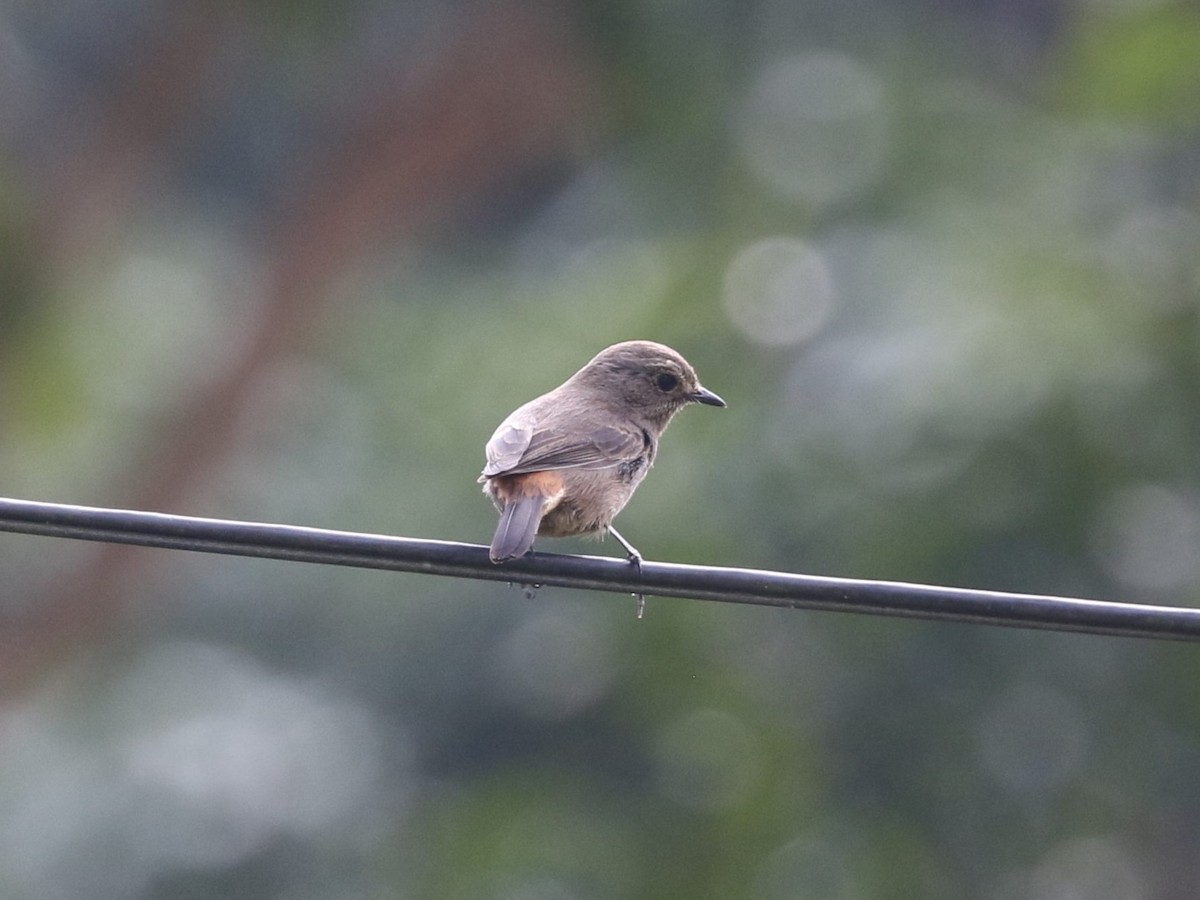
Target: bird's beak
(707, 397)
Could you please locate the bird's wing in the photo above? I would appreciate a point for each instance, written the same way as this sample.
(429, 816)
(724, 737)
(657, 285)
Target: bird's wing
(520, 446)
(507, 445)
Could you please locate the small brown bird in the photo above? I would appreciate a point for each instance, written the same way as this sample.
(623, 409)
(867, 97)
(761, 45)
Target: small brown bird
(566, 463)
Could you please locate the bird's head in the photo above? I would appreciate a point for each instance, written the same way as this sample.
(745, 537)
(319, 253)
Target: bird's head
(650, 382)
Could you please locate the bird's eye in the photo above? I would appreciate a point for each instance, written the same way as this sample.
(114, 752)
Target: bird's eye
(666, 382)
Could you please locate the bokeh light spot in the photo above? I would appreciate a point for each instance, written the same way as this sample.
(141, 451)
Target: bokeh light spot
(1146, 536)
(1032, 740)
(779, 291)
(554, 665)
(815, 127)
(1096, 868)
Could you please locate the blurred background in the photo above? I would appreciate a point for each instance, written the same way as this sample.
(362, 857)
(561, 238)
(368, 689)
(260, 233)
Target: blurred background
(293, 262)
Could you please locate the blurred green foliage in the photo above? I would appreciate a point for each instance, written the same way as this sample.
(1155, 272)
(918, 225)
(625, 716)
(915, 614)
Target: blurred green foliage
(1140, 66)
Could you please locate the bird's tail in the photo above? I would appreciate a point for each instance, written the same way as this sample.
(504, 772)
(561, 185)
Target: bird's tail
(518, 525)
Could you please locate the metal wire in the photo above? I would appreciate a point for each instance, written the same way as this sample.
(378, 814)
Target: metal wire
(751, 586)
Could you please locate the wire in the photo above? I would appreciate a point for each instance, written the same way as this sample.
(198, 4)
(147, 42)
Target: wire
(751, 586)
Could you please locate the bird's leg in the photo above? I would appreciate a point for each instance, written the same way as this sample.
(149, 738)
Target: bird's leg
(636, 558)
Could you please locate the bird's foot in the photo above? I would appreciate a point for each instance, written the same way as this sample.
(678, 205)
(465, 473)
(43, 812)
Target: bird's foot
(636, 558)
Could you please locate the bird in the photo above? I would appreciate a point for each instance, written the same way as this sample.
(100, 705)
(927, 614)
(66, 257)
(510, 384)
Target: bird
(567, 462)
